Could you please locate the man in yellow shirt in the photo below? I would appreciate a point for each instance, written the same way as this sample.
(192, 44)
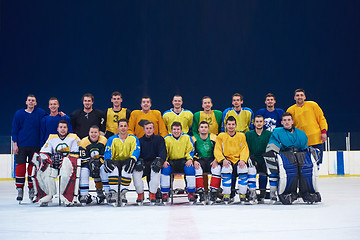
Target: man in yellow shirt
(139, 117)
(231, 153)
(180, 153)
(309, 117)
(178, 114)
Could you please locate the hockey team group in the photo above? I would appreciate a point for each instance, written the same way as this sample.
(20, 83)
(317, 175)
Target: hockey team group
(119, 146)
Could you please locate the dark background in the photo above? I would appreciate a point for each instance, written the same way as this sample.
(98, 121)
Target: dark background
(193, 48)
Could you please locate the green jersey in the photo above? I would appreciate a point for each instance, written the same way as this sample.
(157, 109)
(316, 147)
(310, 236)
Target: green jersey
(257, 144)
(204, 148)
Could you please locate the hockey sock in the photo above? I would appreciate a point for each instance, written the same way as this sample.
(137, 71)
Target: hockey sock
(226, 182)
(29, 171)
(20, 175)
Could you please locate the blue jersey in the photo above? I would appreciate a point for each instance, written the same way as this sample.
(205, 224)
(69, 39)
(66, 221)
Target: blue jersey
(49, 126)
(26, 127)
(152, 147)
(272, 119)
(281, 139)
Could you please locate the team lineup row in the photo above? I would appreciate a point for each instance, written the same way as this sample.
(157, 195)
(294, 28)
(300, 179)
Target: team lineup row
(230, 161)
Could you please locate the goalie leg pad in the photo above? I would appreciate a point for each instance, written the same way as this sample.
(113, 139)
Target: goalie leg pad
(68, 172)
(243, 179)
(138, 182)
(45, 185)
(165, 179)
(308, 178)
(288, 177)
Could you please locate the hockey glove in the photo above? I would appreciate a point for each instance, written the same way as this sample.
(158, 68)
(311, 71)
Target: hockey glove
(94, 166)
(129, 165)
(57, 160)
(139, 165)
(156, 165)
(109, 165)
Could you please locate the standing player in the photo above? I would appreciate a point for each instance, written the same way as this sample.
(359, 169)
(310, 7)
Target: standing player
(114, 114)
(272, 115)
(25, 134)
(212, 117)
(121, 153)
(243, 115)
(232, 153)
(62, 151)
(180, 151)
(309, 117)
(204, 144)
(92, 150)
(83, 119)
(178, 114)
(152, 156)
(50, 122)
(257, 141)
(139, 117)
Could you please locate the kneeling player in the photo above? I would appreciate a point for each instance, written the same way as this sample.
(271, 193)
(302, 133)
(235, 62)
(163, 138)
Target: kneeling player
(58, 157)
(291, 164)
(92, 157)
(204, 143)
(180, 152)
(152, 156)
(231, 153)
(121, 153)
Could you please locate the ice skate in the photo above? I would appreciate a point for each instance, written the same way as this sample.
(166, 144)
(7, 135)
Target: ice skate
(165, 198)
(140, 199)
(31, 194)
(212, 199)
(100, 196)
(191, 198)
(273, 197)
(123, 200)
(20, 194)
(226, 198)
(112, 198)
(152, 199)
(202, 198)
(83, 200)
(252, 197)
(242, 199)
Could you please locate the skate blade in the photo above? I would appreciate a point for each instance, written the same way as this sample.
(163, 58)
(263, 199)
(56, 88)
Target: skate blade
(140, 203)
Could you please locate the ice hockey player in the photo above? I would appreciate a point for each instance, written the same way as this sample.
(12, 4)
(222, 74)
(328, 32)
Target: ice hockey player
(91, 151)
(231, 153)
(291, 164)
(178, 114)
(272, 115)
(180, 152)
(152, 156)
(257, 141)
(243, 115)
(25, 134)
(121, 154)
(58, 157)
(204, 143)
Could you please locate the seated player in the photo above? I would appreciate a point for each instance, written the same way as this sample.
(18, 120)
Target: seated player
(231, 153)
(121, 153)
(204, 143)
(290, 163)
(152, 157)
(58, 157)
(257, 141)
(180, 152)
(92, 150)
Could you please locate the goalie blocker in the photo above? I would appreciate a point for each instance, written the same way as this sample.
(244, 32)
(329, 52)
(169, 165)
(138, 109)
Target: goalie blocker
(290, 170)
(44, 175)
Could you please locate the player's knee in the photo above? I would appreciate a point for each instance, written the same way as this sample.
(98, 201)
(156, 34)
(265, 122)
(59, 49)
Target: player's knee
(216, 170)
(166, 171)
(225, 170)
(190, 171)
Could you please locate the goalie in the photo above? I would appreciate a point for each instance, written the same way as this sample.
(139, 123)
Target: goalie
(58, 157)
(291, 164)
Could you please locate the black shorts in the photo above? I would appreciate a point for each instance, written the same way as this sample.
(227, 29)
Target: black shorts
(205, 164)
(261, 167)
(25, 154)
(178, 165)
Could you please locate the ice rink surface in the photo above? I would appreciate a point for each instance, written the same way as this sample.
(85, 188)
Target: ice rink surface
(336, 217)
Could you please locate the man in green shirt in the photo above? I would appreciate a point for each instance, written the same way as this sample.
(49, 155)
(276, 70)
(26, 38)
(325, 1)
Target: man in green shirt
(204, 143)
(257, 141)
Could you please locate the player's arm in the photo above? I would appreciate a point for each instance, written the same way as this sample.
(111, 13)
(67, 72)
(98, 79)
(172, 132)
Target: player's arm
(132, 123)
(189, 152)
(195, 123)
(162, 127)
(320, 118)
(162, 149)
(218, 151)
(244, 151)
(135, 148)
(274, 142)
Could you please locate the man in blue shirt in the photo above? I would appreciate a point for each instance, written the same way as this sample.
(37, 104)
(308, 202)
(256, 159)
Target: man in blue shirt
(25, 134)
(272, 115)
